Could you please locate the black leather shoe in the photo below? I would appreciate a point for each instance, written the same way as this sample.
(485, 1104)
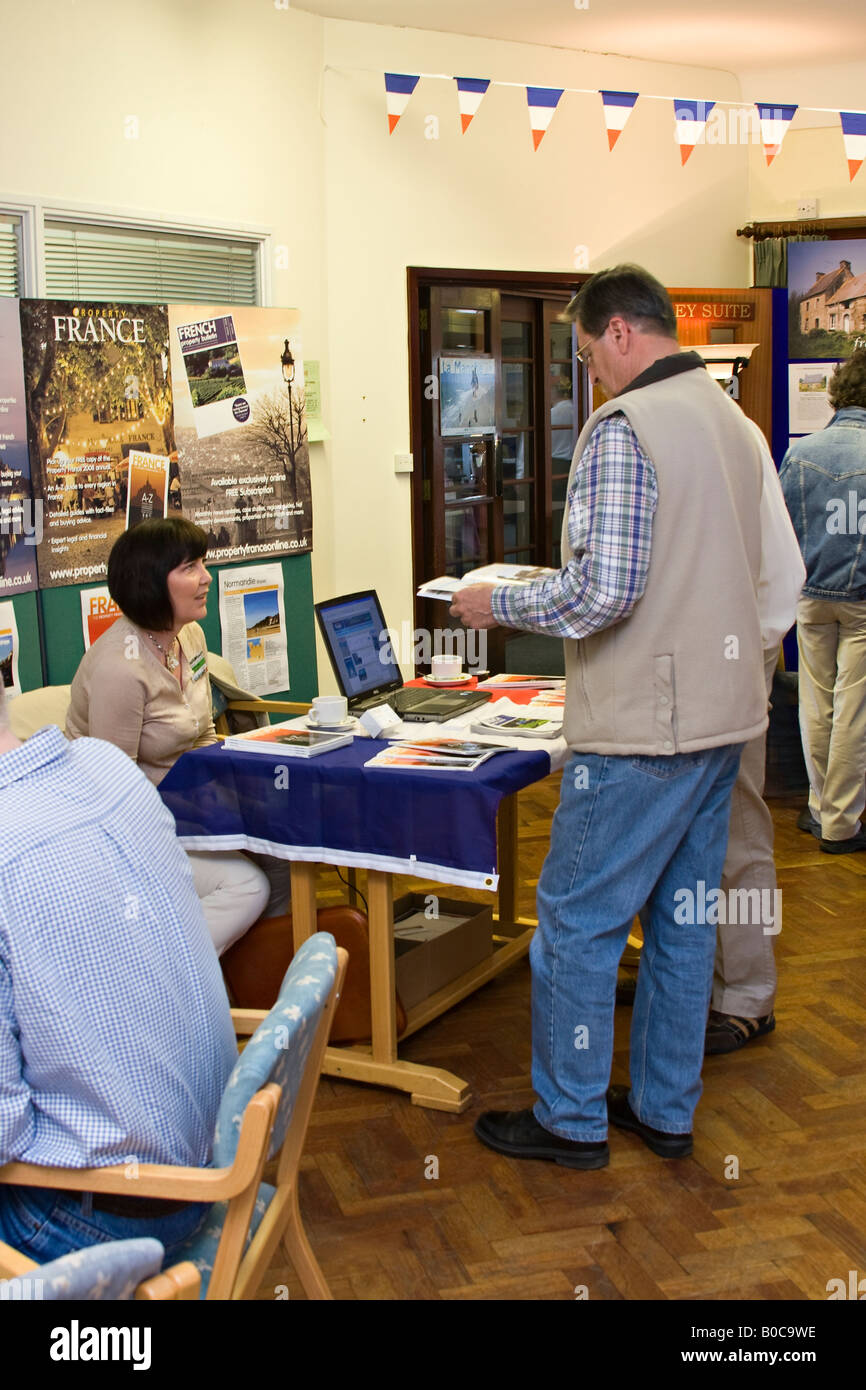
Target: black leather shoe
(806, 821)
(854, 842)
(620, 1113)
(518, 1134)
(626, 986)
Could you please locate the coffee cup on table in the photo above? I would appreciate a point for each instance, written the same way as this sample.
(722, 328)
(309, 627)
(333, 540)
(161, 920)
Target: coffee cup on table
(445, 668)
(329, 710)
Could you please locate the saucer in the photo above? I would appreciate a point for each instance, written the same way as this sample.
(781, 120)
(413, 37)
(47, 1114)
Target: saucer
(462, 679)
(342, 728)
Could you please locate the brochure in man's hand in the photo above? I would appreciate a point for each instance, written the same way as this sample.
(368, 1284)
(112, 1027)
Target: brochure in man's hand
(437, 754)
(281, 740)
(445, 587)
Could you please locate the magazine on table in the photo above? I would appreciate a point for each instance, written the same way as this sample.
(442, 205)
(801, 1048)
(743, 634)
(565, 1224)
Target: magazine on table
(437, 754)
(524, 725)
(285, 741)
(509, 681)
(445, 587)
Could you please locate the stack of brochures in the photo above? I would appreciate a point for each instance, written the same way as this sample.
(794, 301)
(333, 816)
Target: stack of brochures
(508, 681)
(281, 740)
(437, 754)
(445, 587)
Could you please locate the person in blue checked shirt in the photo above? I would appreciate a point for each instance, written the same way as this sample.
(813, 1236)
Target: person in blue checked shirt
(116, 1041)
(658, 603)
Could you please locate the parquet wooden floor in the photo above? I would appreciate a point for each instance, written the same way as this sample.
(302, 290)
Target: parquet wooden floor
(788, 1108)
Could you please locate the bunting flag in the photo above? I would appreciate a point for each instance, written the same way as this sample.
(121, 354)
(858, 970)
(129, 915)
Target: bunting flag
(774, 125)
(618, 106)
(543, 101)
(398, 89)
(691, 119)
(854, 135)
(470, 93)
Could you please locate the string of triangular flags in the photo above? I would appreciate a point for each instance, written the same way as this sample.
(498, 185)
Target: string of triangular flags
(690, 117)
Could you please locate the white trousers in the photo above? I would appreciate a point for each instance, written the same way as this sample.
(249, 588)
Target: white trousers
(832, 642)
(236, 891)
(744, 977)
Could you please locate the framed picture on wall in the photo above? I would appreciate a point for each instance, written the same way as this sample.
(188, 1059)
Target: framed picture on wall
(467, 395)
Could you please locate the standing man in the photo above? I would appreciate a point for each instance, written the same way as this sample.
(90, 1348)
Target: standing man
(658, 604)
(116, 1041)
(744, 978)
(824, 481)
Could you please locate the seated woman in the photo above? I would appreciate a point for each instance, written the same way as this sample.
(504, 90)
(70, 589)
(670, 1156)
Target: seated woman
(143, 686)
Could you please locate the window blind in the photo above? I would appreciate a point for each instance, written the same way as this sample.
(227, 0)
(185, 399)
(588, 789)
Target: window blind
(83, 261)
(10, 255)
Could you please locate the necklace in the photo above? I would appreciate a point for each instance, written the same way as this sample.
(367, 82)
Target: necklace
(171, 661)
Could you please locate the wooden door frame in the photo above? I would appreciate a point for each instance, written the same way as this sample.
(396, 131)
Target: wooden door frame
(418, 278)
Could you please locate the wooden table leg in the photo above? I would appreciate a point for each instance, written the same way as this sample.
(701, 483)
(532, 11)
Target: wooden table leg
(303, 901)
(383, 987)
(506, 830)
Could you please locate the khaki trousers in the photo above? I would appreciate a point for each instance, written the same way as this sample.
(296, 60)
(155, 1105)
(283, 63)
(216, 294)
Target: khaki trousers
(832, 642)
(744, 976)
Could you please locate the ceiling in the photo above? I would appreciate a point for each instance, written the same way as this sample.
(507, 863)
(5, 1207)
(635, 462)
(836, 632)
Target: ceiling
(737, 35)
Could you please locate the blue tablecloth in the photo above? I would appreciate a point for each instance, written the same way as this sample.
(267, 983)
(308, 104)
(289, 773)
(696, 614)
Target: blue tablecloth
(437, 825)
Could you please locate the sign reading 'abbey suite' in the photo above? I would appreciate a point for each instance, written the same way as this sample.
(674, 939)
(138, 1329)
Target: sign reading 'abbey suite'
(714, 310)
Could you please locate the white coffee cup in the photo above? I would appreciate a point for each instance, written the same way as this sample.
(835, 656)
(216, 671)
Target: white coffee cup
(329, 709)
(445, 668)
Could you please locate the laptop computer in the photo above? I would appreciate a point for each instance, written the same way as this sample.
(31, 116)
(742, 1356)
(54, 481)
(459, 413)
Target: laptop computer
(356, 635)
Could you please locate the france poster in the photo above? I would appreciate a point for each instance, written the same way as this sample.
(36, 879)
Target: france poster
(20, 517)
(97, 388)
(241, 429)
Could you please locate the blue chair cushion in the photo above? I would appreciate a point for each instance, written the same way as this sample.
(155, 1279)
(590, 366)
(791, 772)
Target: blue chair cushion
(279, 1048)
(108, 1271)
(202, 1247)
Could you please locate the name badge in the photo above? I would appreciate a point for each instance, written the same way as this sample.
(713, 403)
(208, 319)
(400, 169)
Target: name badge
(198, 666)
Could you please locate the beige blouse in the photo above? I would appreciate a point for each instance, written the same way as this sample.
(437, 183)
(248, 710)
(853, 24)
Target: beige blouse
(123, 693)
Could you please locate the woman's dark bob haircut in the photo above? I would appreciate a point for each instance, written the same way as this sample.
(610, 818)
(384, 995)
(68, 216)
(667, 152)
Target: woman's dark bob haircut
(139, 565)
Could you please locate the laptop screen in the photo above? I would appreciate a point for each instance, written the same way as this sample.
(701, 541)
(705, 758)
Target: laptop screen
(355, 633)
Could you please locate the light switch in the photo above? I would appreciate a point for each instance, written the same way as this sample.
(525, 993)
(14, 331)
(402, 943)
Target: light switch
(403, 463)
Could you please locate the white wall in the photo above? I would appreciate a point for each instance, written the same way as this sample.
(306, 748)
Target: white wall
(486, 199)
(255, 115)
(812, 161)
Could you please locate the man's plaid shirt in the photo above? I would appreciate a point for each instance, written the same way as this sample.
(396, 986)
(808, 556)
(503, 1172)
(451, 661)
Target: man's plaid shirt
(611, 503)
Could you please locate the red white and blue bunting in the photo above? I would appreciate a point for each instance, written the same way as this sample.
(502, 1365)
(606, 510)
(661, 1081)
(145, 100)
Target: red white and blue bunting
(470, 94)
(690, 116)
(617, 107)
(775, 121)
(543, 101)
(854, 136)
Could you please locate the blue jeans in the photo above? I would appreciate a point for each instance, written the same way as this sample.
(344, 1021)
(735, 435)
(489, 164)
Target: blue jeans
(628, 830)
(45, 1224)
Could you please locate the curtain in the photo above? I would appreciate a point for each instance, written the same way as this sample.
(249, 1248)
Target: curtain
(771, 260)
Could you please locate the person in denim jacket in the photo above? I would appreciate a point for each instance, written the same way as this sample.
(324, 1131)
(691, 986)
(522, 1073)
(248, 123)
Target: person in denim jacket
(823, 478)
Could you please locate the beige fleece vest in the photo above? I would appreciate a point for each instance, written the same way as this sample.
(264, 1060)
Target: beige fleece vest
(685, 669)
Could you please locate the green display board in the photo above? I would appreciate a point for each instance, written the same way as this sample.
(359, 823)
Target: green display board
(64, 639)
(29, 661)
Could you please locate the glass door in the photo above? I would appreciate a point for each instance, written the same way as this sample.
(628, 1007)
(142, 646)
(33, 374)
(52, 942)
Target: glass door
(499, 408)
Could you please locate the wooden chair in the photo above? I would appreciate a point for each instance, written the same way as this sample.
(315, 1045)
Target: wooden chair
(295, 1031)
(230, 699)
(268, 1098)
(34, 709)
(236, 1183)
(114, 1270)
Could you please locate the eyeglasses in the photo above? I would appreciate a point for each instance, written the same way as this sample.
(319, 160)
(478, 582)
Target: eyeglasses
(584, 356)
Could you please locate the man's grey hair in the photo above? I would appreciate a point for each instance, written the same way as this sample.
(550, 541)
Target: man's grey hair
(626, 290)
